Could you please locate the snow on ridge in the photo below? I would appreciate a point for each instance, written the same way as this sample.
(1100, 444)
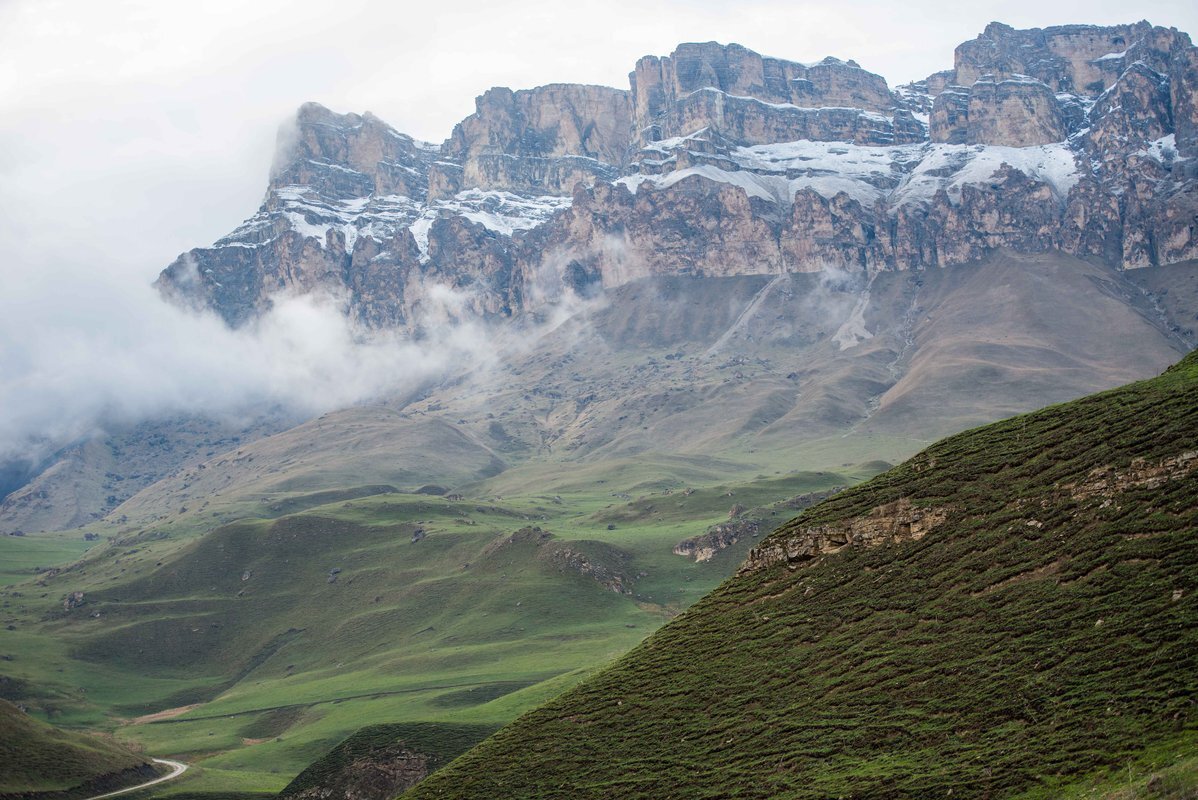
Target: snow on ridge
(381, 217)
(791, 106)
(502, 212)
(899, 174)
(1053, 164)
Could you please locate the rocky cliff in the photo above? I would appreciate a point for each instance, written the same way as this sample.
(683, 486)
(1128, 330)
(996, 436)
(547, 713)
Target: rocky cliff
(719, 161)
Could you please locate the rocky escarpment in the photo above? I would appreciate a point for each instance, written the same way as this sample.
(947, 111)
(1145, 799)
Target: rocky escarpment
(898, 521)
(542, 140)
(762, 99)
(743, 524)
(720, 161)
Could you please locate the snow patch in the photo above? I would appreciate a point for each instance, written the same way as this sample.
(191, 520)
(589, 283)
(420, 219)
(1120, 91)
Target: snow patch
(1162, 150)
(502, 212)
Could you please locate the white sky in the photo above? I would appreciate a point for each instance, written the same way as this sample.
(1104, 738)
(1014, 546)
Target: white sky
(132, 130)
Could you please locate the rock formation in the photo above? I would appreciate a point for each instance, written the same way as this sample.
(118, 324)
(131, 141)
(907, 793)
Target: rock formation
(720, 161)
(899, 521)
(542, 140)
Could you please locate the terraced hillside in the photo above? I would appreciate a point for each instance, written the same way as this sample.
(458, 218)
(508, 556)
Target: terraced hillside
(1010, 613)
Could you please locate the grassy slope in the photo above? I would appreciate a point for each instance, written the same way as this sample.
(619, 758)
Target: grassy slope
(992, 658)
(21, 556)
(36, 757)
(285, 664)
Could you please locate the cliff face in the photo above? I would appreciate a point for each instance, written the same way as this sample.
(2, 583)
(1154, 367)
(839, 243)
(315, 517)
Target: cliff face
(542, 140)
(759, 100)
(1030, 87)
(720, 161)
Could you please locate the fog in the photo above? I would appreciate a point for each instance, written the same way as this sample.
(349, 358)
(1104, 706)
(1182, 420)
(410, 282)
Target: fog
(133, 131)
(114, 354)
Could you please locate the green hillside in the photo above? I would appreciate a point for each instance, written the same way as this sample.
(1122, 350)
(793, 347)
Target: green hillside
(37, 757)
(252, 650)
(1026, 625)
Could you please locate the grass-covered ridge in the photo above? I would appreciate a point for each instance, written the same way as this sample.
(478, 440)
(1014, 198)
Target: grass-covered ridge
(1043, 638)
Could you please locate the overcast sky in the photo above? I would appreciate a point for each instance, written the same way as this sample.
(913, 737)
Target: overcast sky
(132, 131)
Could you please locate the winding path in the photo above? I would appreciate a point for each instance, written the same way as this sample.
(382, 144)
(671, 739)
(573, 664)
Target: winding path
(177, 769)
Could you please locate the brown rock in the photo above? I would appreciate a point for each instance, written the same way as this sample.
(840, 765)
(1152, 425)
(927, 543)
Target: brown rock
(895, 522)
(541, 140)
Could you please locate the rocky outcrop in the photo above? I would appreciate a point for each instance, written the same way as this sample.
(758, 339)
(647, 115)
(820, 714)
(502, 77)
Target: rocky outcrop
(694, 226)
(900, 521)
(758, 100)
(1183, 99)
(331, 171)
(1106, 482)
(1068, 58)
(741, 526)
(718, 537)
(748, 120)
(659, 83)
(381, 775)
(604, 564)
(1026, 87)
(349, 155)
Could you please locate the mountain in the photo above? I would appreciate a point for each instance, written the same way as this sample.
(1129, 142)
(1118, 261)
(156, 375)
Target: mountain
(798, 371)
(718, 161)
(85, 480)
(39, 761)
(810, 193)
(1010, 613)
(702, 305)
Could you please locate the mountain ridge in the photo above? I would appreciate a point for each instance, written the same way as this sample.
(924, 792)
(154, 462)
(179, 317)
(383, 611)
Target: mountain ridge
(720, 161)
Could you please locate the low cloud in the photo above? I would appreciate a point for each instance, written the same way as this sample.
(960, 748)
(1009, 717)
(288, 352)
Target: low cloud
(99, 354)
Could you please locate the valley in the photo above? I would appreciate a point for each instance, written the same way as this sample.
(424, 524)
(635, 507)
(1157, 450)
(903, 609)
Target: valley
(268, 641)
(757, 430)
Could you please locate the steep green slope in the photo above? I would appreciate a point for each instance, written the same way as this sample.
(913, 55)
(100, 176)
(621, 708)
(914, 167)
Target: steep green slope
(36, 757)
(1010, 613)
